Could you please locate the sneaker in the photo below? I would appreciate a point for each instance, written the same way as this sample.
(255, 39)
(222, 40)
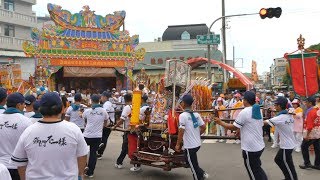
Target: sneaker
(135, 169)
(99, 156)
(274, 145)
(238, 141)
(119, 166)
(205, 175)
(221, 140)
(305, 166)
(316, 167)
(101, 145)
(86, 169)
(88, 175)
(297, 150)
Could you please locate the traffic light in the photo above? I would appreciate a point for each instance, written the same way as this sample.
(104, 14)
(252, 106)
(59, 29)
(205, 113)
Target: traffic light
(270, 12)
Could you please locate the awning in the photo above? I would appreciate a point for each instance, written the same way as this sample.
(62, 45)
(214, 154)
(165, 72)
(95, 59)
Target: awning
(88, 72)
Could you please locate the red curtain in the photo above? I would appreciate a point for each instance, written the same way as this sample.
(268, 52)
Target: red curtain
(311, 73)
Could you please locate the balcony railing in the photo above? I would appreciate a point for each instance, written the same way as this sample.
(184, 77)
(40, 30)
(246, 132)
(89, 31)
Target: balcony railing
(17, 18)
(30, 1)
(11, 43)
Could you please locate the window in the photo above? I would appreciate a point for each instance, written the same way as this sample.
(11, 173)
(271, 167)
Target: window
(160, 61)
(185, 35)
(153, 61)
(9, 5)
(9, 30)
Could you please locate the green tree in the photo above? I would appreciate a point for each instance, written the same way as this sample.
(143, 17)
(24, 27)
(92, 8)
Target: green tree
(315, 47)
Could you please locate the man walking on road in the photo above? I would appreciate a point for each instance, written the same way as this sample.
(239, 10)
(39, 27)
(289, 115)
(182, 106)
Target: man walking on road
(250, 123)
(96, 118)
(284, 123)
(191, 126)
(125, 120)
(311, 135)
(12, 125)
(109, 107)
(51, 148)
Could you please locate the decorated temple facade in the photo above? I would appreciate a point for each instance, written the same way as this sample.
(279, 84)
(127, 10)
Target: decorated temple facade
(84, 50)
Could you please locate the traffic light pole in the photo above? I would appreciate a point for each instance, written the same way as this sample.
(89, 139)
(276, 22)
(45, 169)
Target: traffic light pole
(208, 34)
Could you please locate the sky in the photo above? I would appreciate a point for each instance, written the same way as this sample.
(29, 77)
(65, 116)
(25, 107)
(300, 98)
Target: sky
(253, 38)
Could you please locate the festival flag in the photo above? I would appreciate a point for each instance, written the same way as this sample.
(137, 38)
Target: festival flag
(310, 71)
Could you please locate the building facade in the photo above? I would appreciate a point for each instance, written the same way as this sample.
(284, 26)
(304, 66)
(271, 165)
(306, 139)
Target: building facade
(277, 73)
(16, 21)
(178, 42)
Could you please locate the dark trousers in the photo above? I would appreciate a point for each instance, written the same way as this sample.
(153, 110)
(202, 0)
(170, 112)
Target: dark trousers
(305, 151)
(253, 165)
(105, 135)
(124, 149)
(14, 174)
(266, 130)
(192, 159)
(285, 163)
(94, 145)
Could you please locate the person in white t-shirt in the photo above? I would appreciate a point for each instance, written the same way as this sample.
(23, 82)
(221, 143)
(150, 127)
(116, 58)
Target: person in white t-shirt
(37, 116)
(74, 112)
(51, 148)
(12, 125)
(29, 100)
(250, 123)
(191, 126)
(125, 120)
(3, 99)
(284, 123)
(4, 173)
(109, 107)
(71, 96)
(96, 118)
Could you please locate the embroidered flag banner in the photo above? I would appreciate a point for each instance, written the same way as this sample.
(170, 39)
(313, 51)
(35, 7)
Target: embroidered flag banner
(302, 88)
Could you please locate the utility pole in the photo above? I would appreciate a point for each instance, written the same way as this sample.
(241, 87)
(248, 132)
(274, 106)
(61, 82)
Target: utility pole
(233, 59)
(224, 45)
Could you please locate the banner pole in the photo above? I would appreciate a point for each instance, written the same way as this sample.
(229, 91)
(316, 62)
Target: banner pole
(304, 72)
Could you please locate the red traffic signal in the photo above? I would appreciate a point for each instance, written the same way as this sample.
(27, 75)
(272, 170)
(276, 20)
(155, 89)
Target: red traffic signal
(270, 12)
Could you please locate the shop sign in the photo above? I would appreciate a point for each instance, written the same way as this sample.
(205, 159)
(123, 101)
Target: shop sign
(87, 63)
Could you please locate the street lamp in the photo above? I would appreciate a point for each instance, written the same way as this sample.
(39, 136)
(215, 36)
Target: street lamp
(223, 60)
(269, 12)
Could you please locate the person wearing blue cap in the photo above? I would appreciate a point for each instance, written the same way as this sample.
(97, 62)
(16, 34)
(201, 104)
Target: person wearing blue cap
(284, 123)
(191, 126)
(51, 148)
(3, 99)
(125, 120)
(29, 101)
(96, 118)
(109, 107)
(37, 116)
(12, 125)
(250, 123)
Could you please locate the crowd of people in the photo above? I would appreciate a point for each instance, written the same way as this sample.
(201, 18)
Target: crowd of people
(63, 125)
(296, 124)
(72, 126)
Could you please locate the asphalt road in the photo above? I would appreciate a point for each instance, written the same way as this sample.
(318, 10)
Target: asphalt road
(222, 161)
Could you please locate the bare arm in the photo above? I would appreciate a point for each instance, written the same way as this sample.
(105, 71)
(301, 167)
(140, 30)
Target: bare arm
(22, 172)
(82, 160)
(225, 125)
(203, 129)
(179, 140)
(118, 123)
